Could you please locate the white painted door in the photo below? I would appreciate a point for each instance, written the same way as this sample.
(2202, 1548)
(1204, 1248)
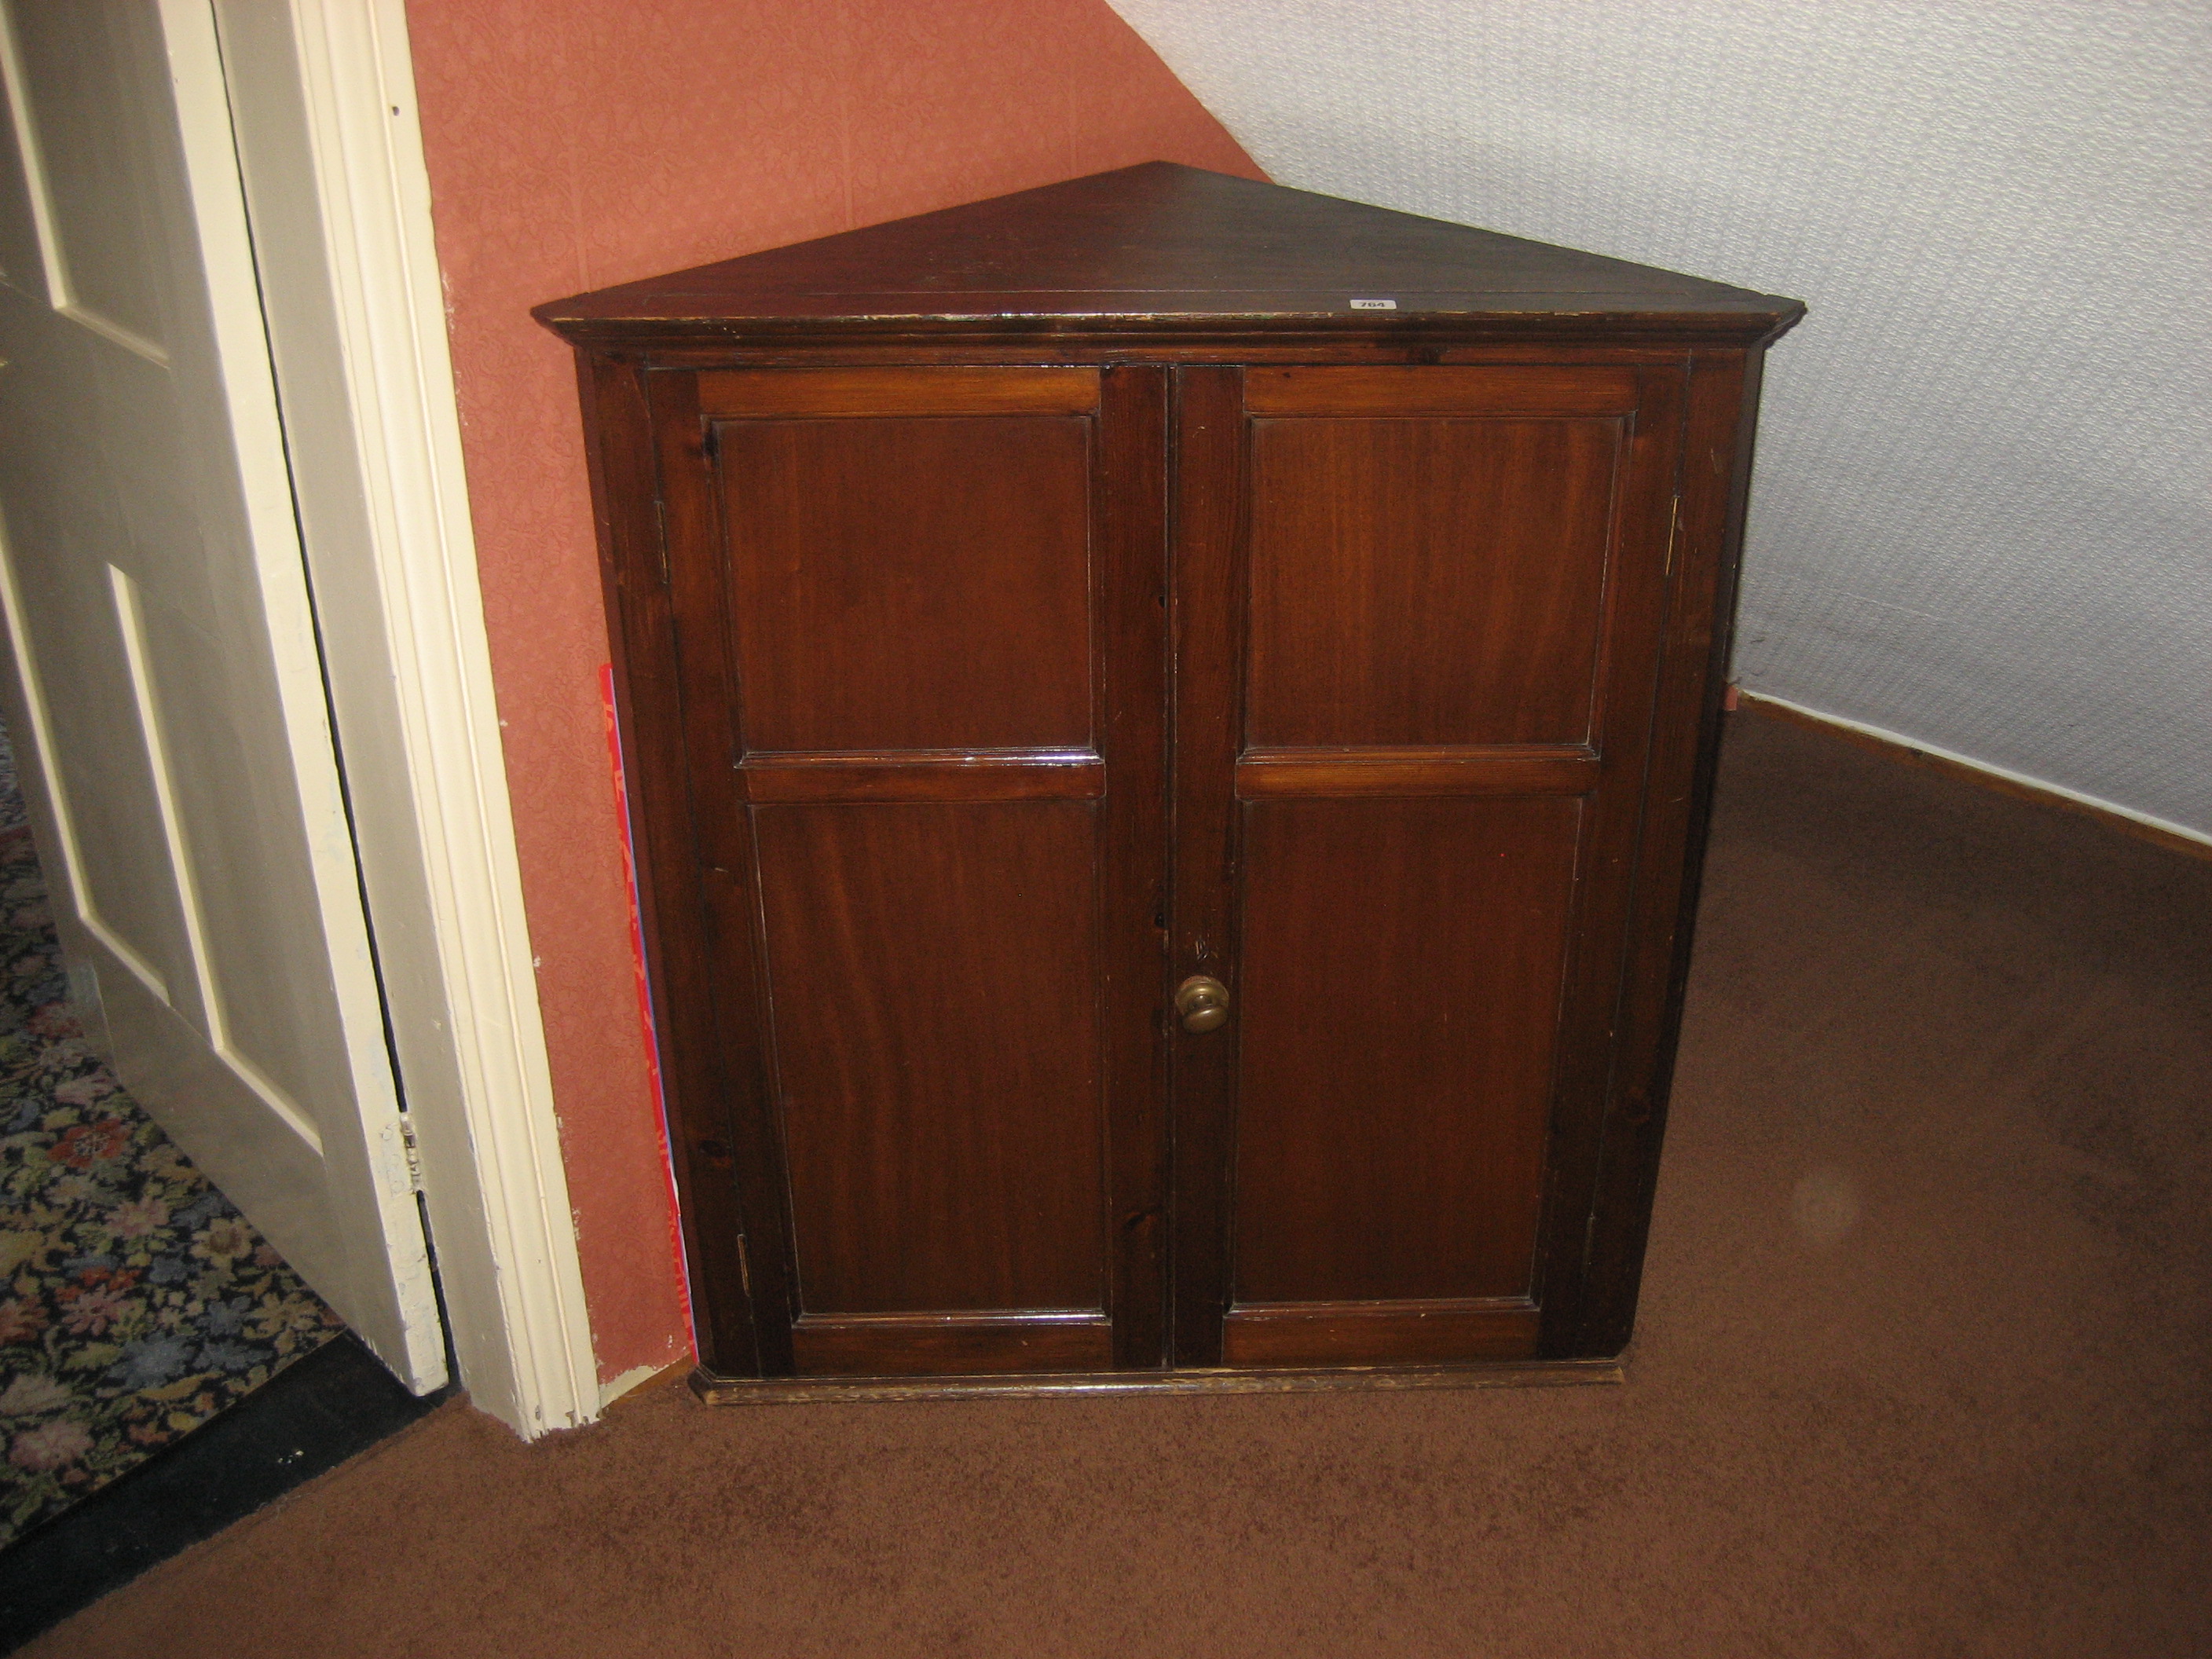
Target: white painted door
(168, 704)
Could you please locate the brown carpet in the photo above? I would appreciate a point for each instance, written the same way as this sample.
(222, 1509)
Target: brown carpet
(1921, 1369)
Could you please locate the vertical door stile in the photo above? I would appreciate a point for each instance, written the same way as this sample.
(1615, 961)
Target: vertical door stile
(1593, 1061)
(1714, 408)
(710, 1007)
(1207, 623)
(1132, 868)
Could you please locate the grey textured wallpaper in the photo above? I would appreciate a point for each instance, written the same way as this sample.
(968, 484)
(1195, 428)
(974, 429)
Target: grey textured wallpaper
(1982, 511)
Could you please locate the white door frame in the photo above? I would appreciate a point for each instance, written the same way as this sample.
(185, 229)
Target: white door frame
(322, 102)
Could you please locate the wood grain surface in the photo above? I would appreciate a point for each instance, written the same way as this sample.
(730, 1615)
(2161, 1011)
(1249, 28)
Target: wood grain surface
(987, 688)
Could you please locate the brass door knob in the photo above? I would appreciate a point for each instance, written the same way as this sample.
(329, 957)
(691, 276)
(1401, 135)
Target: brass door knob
(1203, 1003)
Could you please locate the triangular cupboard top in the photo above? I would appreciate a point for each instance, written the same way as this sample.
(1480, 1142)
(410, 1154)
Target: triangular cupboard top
(1161, 248)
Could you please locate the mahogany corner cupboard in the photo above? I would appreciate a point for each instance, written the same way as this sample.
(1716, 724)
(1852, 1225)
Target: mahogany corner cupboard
(1168, 726)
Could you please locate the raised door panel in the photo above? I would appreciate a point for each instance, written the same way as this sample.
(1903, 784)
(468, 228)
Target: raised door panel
(911, 582)
(1402, 961)
(1464, 562)
(921, 680)
(1403, 816)
(935, 968)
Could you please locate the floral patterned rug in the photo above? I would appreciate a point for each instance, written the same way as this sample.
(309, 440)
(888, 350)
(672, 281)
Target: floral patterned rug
(135, 1302)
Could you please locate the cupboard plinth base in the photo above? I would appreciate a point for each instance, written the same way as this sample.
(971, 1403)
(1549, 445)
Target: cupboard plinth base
(717, 1391)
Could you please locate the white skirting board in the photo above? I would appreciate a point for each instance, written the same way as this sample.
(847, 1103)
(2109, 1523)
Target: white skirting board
(2041, 786)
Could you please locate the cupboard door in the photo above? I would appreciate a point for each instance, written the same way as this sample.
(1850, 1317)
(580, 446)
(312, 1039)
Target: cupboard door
(919, 614)
(1417, 625)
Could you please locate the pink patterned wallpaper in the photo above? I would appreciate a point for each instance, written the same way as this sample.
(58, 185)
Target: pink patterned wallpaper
(575, 143)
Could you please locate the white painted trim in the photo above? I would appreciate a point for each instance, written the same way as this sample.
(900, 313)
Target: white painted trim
(31, 154)
(245, 381)
(635, 1377)
(498, 1196)
(61, 293)
(58, 798)
(2163, 825)
(137, 652)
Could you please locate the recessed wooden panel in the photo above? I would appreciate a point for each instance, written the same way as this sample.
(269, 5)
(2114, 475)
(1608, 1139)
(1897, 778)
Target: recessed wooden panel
(1427, 580)
(933, 971)
(1399, 995)
(910, 582)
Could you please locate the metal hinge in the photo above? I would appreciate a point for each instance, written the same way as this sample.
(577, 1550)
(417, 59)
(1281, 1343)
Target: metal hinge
(412, 1152)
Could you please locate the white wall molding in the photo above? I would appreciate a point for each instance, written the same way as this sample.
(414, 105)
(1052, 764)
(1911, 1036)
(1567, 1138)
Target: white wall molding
(336, 158)
(1968, 762)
